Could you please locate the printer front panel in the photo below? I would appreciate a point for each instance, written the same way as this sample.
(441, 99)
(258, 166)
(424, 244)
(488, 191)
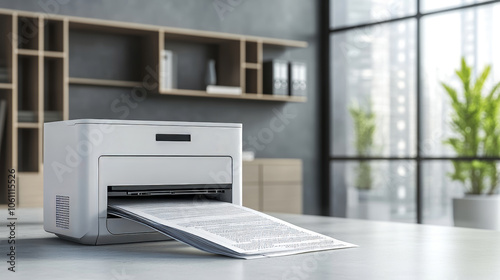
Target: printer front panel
(197, 141)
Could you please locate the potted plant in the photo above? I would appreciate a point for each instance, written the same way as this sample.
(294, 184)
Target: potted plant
(364, 120)
(475, 122)
(364, 130)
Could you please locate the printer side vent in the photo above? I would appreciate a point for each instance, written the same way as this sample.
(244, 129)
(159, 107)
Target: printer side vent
(62, 211)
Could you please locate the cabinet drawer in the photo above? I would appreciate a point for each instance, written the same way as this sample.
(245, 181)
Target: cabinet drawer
(250, 173)
(282, 198)
(282, 173)
(251, 196)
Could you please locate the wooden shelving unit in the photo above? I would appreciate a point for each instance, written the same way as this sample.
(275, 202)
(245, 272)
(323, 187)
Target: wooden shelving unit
(36, 62)
(39, 61)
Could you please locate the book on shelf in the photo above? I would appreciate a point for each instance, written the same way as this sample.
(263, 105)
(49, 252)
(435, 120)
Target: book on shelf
(168, 71)
(213, 89)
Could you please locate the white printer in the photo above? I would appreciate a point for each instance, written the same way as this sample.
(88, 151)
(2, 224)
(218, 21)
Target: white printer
(88, 161)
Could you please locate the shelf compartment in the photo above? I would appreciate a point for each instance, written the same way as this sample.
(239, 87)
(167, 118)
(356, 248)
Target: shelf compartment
(252, 52)
(229, 62)
(53, 35)
(52, 116)
(28, 84)
(252, 81)
(102, 82)
(191, 62)
(53, 88)
(5, 49)
(193, 55)
(28, 32)
(24, 116)
(110, 56)
(6, 153)
(28, 149)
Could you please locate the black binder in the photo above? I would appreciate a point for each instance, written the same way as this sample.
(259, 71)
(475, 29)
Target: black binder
(298, 78)
(276, 77)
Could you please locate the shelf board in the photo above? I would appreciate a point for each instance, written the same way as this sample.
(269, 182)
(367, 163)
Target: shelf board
(247, 96)
(28, 52)
(27, 125)
(102, 82)
(5, 86)
(129, 27)
(28, 173)
(286, 98)
(53, 54)
(249, 65)
(278, 42)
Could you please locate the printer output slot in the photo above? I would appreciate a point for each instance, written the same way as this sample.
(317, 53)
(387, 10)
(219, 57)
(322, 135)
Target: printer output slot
(123, 191)
(220, 192)
(191, 197)
(175, 192)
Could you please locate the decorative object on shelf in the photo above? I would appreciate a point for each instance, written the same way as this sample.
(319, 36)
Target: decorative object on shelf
(248, 155)
(298, 78)
(223, 90)
(476, 125)
(211, 74)
(168, 70)
(276, 77)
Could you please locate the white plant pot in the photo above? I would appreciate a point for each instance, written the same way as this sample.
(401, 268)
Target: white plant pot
(477, 211)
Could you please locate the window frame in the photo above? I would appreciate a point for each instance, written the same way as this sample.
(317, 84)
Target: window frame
(327, 108)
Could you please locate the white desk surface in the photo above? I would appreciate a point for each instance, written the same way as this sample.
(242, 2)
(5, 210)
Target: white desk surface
(387, 251)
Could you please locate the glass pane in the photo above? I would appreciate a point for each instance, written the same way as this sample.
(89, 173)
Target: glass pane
(433, 5)
(373, 89)
(374, 190)
(353, 12)
(439, 190)
(471, 33)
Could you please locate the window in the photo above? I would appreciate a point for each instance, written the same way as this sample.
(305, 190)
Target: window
(388, 115)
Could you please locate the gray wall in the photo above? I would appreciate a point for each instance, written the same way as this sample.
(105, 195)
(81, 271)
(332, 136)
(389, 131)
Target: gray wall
(288, 19)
